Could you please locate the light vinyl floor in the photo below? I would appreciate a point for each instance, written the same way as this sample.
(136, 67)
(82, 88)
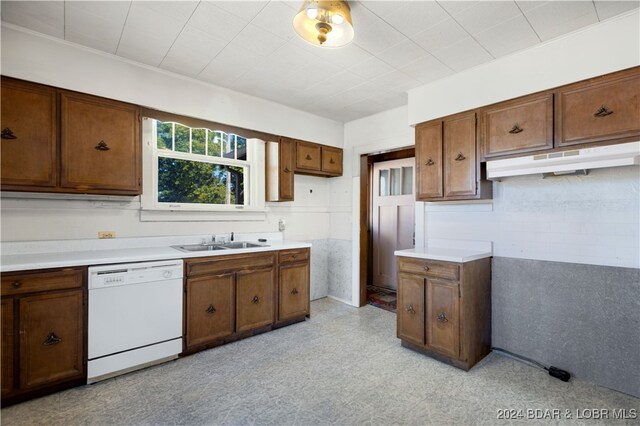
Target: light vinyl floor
(344, 366)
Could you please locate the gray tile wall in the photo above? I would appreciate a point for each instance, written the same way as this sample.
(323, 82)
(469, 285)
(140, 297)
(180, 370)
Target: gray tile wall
(581, 318)
(319, 268)
(339, 269)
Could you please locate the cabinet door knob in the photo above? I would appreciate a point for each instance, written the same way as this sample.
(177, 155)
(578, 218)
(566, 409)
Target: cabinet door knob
(286, 170)
(430, 162)
(411, 310)
(442, 317)
(211, 309)
(256, 300)
(308, 157)
(460, 157)
(603, 111)
(102, 146)
(51, 339)
(16, 284)
(515, 129)
(331, 161)
(7, 133)
(426, 268)
(294, 291)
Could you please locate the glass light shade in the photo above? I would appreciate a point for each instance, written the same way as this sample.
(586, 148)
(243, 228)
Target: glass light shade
(331, 27)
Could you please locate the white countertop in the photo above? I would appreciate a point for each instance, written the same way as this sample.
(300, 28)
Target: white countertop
(62, 259)
(447, 254)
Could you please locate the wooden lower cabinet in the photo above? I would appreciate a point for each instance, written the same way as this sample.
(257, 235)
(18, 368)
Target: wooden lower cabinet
(43, 333)
(255, 299)
(448, 319)
(293, 278)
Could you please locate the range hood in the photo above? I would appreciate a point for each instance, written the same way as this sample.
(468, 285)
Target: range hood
(567, 162)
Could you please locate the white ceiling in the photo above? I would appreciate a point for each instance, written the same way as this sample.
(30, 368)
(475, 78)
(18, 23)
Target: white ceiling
(250, 46)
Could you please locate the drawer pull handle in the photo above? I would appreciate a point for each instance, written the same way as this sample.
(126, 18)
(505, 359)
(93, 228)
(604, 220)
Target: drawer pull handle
(294, 257)
(516, 129)
(7, 133)
(211, 309)
(603, 111)
(460, 157)
(256, 300)
(294, 291)
(16, 284)
(308, 157)
(51, 339)
(430, 162)
(426, 268)
(331, 161)
(286, 170)
(102, 146)
(442, 317)
(411, 310)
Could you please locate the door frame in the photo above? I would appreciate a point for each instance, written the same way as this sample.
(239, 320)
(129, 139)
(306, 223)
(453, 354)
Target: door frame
(366, 241)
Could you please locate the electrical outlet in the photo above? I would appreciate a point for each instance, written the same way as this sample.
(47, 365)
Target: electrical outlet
(281, 225)
(106, 234)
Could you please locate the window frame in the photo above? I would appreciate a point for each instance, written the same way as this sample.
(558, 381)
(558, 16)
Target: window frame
(254, 188)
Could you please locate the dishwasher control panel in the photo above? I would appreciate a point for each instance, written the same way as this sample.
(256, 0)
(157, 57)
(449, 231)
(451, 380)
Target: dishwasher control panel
(128, 274)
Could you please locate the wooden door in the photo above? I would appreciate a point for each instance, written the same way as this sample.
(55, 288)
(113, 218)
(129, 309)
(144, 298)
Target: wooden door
(429, 161)
(518, 126)
(411, 312)
(51, 338)
(100, 145)
(599, 110)
(285, 183)
(460, 155)
(294, 290)
(210, 308)
(332, 160)
(392, 213)
(7, 346)
(443, 331)
(28, 147)
(308, 156)
(254, 298)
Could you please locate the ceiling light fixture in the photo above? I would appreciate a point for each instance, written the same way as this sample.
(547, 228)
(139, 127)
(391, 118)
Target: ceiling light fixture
(324, 23)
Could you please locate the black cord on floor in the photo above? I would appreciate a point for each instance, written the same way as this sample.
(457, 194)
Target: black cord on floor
(553, 371)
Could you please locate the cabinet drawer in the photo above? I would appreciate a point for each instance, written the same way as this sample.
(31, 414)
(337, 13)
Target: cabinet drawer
(308, 156)
(332, 160)
(430, 268)
(288, 256)
(41, 281)
(599, 111)
(518, 126)
(228, 263)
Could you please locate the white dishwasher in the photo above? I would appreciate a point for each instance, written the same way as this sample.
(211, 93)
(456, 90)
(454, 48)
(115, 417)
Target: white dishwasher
(135, 316)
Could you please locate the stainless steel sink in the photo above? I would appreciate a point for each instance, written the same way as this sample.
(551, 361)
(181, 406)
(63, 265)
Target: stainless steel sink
(221, 246)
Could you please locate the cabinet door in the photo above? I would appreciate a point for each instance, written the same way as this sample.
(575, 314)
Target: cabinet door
(411, 308)
(100, 145)
(308, 157)
(209, 309)
(254, 299)
(605, 109)
(28, 147)
(7, 346)
(518, 126)
(285, 183)
(429, 161)
(443, 332)
(293, 298)
(332, 160)
(460, 156)
(51, 338)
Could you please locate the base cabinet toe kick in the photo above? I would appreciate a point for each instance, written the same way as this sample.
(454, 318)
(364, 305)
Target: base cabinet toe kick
(444, 309)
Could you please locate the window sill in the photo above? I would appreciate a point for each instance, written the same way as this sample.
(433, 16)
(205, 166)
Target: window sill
(166, 215)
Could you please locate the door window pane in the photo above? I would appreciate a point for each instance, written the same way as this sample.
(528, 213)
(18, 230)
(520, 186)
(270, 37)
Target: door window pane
(384, 182)
(396, 181)
(407, 180)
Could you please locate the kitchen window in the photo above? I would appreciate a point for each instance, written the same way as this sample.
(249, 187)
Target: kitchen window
(188, 168)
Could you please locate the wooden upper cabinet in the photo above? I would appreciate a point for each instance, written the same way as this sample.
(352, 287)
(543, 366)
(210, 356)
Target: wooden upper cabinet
(518, 126)
(7, 347)
(460, 155)
(429, 161)
(597, 110)
(100, 145)
(28, 146)
(280, 170)
(332, 160)
(308, 156)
